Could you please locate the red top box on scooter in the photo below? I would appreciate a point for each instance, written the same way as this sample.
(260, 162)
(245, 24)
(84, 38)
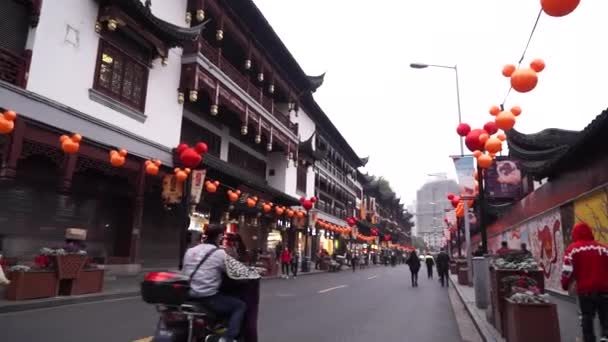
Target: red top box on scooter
(165, 288)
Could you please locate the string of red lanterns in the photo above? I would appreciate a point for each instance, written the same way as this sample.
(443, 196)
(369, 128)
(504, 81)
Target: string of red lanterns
(488, 141)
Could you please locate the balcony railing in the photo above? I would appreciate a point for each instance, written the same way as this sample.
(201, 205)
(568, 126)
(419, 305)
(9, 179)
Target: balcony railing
(243, 82)
(12, 68)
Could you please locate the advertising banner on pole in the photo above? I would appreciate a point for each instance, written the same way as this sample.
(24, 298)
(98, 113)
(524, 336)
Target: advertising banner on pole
(503, 180)
(465, 170)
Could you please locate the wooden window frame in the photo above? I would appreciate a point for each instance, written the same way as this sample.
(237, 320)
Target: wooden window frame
(127, 58)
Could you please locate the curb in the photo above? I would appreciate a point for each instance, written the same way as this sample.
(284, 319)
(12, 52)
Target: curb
(480, 324)
(64, 301)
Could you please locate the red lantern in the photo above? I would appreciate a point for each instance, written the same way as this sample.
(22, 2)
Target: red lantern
(233, 196)
(455, 201)
(279, 211)
(307, 204)
(152, 167)
(251, 202)
(267, 207)
(211, 187)
(472, 140)
(463, 129)
(181, 175)
(387, 237)
(490, 127)
(351, 221)
(118, 158)
(313, 199)
(505, 120)
(70, 145)
(191, 156)
(559, 8)
(450, 196)
(524, 80)
(7, 121)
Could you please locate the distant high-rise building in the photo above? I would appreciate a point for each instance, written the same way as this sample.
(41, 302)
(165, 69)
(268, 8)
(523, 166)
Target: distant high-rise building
(431, 205)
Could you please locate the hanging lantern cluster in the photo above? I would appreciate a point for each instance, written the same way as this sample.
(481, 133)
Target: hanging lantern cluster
(351, 221)
(191, 157)
(7, 121)
(70, 145)
(524, 79)
(366, 238)
(211, 186)
(181, 174)
(457, 203)
(152, 167)
(333, 227)
(308, 203)
(374, 231)
(118, 158)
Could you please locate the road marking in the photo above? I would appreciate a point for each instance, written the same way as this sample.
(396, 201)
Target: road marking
(372, 277)
(138, 297)
(285, 295)
(145, 339)
(333, 288)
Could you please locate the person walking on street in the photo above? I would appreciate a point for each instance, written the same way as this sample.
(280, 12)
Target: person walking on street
(443, 267)
(295, 261)
(430, 262)
(354, 260)
(586, 262)
(285, 262)
(414, 263)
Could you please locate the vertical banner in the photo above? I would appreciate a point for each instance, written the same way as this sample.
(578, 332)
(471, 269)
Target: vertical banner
(503, 180)
(196, 189)
(465, 170)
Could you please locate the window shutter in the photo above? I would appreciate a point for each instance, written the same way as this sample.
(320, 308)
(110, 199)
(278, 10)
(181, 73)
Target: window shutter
(14, 26)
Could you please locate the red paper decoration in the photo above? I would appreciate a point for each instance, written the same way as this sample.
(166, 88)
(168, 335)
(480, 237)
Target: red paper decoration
(559, 8)
(505, 120)
(118, 158)
(152, 167)
(211, 186)
(524, 80)
(490, 127)
(70, 145)
(181, 174)
(463, 129)
(484, 161)
(191, 156)
(233, 196)
(472, 140)
(7, 122)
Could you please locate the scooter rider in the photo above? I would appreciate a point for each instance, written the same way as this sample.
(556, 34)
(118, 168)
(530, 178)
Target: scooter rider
(206, 282)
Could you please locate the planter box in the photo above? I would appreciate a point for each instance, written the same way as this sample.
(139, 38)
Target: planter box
(31, 285)
(69, 266)
(89, 281)
(453, 268)
(498, 293)
(463, 276)
(531, 322)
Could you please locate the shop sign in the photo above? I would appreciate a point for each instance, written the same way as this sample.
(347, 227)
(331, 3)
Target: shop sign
(172, 190)
(196, 188)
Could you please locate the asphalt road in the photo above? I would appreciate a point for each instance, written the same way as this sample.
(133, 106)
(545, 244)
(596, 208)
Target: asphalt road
(376, 304)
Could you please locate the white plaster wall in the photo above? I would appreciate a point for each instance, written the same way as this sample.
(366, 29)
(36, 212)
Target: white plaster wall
(306, 125)
(278, 163)
(310, 183)
(63, 68)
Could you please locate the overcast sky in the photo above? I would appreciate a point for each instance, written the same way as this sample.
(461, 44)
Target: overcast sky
(405, 119)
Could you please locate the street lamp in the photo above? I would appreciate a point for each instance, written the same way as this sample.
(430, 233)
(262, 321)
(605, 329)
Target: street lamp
(455, 68)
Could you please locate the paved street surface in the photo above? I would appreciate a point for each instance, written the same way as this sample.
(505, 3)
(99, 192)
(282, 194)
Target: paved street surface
(376, 304)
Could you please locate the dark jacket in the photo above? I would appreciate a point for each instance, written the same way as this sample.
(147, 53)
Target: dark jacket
(414, 262)
(429, 261)
(443, 261)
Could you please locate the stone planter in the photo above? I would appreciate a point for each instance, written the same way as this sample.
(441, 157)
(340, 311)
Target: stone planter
(498, 293)
(453, 268)
(463, 276)
(31, 285)
(531, 322)
(89, 281)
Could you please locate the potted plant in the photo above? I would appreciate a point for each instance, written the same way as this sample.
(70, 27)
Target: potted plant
(529, 316)
(30, 283)
(68, 262)
(512, 264)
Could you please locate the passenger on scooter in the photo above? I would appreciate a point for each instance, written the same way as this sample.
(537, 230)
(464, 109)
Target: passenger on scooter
(206, 282)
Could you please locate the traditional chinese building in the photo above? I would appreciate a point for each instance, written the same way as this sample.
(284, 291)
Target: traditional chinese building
(109, 71)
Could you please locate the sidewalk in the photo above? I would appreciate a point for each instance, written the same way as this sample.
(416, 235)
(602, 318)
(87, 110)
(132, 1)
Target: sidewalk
(567, 312)
(115, 287)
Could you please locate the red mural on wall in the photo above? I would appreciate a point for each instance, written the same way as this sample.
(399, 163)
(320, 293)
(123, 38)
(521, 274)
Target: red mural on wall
(548, 246)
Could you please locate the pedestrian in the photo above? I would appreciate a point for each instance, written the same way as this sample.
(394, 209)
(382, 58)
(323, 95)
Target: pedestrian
(295, 261)
(414, 263)
(3, 280)
(285, 262)
(524, 250)
(586, 262)
(504, 249)
(353, 261)
(430, 262)
(443, 266)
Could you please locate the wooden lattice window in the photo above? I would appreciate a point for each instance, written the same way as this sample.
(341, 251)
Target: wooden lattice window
(122, 72)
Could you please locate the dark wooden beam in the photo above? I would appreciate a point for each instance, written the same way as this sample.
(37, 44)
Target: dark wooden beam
(12, 151)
